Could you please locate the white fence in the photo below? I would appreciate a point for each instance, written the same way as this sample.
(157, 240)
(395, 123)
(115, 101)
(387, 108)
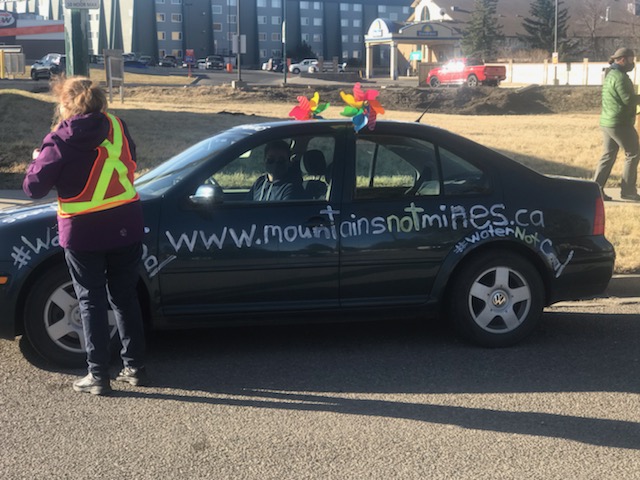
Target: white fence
(576, 73)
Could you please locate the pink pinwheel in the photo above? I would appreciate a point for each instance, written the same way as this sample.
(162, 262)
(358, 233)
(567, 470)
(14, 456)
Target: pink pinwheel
(308, 109)
(362, 107)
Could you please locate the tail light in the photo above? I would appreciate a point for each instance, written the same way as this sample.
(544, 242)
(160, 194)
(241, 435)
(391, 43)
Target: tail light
(598, 219)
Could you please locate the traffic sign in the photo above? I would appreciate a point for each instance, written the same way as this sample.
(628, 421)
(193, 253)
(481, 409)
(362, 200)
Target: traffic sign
(81, 4)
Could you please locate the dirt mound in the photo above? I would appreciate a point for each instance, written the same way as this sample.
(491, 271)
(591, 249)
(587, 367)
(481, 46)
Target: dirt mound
(462, 101)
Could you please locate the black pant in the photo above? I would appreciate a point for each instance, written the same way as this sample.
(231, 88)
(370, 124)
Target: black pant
(103, 278)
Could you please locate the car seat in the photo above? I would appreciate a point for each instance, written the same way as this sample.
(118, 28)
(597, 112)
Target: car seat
(315, 165)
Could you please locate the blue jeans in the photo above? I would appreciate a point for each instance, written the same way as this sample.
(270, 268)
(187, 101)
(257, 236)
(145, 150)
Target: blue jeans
(614, 138)
(103, 278)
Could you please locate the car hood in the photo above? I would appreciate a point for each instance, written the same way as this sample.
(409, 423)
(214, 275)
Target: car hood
(21, 215)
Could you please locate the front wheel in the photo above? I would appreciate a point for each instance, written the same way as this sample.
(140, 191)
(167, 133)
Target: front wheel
(496, 300)
(434, 82)
(296, 70)
(52, 319)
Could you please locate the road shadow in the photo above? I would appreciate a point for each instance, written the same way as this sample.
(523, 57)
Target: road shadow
(333, 368)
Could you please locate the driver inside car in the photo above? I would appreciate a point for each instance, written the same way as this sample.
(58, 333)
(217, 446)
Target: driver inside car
(280, 182)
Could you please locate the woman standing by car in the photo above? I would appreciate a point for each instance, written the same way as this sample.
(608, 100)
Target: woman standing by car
(90, 159)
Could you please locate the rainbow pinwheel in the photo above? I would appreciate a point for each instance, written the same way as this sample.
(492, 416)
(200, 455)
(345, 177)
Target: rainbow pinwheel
(362, 107)
(308, 109)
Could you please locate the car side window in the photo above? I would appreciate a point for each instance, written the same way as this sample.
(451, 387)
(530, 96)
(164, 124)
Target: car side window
(461, 177)
(308, 166)
(395, 167)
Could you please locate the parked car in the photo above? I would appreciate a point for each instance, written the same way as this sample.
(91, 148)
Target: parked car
(327, 67)
(214, 62)
(405, 220)
(168, 61)
(49, 65)
(303, 66)
(273, 65)
(467, 71)
(145, 59)
(201, 63)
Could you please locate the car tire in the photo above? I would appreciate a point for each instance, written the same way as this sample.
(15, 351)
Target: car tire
(472, 81)
(496, 300)
(52, 319)
(296, 70)
(34, 75)
(434, 82)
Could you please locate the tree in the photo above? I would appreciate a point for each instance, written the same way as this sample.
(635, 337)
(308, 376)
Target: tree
(541, 26)
(483, 32)
(301, 51)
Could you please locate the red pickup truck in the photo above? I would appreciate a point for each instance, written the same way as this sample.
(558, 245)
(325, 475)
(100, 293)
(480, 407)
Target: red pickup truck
(466, 71)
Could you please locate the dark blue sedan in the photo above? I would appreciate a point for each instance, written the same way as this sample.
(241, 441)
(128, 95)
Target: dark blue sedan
(402, 220)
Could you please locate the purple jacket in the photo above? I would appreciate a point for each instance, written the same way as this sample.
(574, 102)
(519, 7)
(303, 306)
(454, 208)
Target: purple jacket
(64, 163)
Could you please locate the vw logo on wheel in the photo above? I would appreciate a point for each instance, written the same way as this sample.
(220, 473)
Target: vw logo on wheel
(499, 299)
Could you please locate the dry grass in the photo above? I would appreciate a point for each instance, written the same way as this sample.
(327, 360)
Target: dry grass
(163, 125)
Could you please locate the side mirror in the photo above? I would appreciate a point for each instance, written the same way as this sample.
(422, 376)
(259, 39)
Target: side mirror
(207, 195)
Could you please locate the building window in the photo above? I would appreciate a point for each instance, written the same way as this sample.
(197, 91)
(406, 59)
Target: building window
(275, 37)
(263, 53)
(276, 4)
(262, 19)
(231, 3)
(317, 22)
(356, 54)
(357, 7)
(317, 5)
(276, 53)
(162, 36)
(162, 52)
(304, 5)
(160, 1)
(345, 54)
(176, 35)
(160, 17)
(304, 20)
(276, 20)
(382, 9)
(261, 3)
(231, 19)
(262, 37)
(176, 2)
(305, 37)
(230, 35)
(177, 53)
(216, 9)
(406, 10)
(317, 37)
(357, 23)
(356, 39)
(345, 38)
(344, 7)
(344, 22)
(393, 16)
(217, 27)
(176, 17)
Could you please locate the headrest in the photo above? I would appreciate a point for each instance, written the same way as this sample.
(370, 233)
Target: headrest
(314, 163)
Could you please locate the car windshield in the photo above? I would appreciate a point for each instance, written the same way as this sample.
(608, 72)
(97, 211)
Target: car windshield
(157, 181)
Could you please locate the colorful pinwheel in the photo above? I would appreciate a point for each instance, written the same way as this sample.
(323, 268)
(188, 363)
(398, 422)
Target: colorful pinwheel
(308, 109)
(362, 107)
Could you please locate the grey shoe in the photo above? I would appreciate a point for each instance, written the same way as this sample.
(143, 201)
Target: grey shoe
(92, 384)
(132, 375)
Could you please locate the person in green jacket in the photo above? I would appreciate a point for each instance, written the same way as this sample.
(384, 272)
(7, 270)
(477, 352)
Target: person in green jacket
(617, 120)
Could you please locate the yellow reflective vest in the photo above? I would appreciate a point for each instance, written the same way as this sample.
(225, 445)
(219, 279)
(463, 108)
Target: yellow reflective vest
(110, 183)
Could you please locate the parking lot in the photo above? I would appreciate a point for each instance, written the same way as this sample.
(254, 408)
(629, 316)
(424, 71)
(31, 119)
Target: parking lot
(388, 400)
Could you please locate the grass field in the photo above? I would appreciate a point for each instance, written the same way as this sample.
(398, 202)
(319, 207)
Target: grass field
(163, 125)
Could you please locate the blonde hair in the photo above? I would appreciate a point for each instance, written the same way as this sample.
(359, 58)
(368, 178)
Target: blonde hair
(76, 96)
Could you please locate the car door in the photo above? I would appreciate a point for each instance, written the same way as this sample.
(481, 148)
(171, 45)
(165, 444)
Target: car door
(252, 257)
(401, 218)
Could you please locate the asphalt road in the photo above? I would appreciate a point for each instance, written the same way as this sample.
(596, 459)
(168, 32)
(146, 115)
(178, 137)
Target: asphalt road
(381, 401)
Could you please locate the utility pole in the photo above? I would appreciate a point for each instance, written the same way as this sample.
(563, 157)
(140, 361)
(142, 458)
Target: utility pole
(555, 48)
(284, 41)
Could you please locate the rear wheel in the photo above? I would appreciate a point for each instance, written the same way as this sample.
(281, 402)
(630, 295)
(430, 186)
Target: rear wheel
(472, 81)
(52, 319)
(497, 299)
(434, 82)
